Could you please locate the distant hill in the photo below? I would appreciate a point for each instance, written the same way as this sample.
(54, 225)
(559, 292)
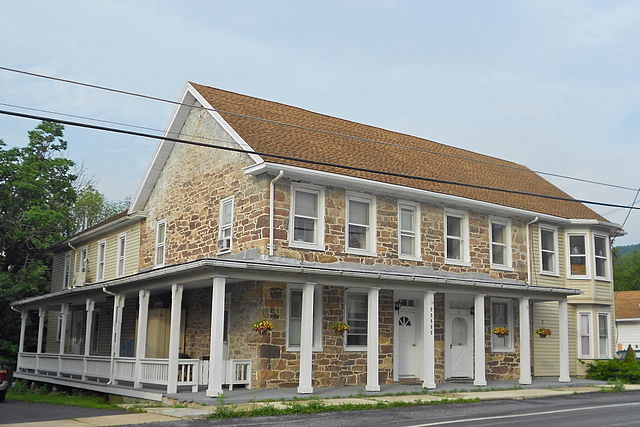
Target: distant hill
(626, 249)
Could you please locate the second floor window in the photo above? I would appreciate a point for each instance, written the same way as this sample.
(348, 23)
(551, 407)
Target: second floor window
(122, 249)
(161, 235)
(66, 272)
(82, 261)
(500, 244)
(307, 226)
(548, 251)
(578, 255)
(601, 258)
(409, 230)
(360, 225)
(225, 230)
(102, 248)
(455, 237)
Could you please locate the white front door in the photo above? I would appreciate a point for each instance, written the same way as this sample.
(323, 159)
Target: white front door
(460, 346)
(406, 342)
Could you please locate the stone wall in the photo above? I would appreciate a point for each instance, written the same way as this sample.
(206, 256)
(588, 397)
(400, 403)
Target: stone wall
(502, 365)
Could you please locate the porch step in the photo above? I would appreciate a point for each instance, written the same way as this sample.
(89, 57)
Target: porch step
(409, 381)
(459, 380)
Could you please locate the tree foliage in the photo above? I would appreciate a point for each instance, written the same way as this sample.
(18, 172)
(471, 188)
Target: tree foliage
(92, 207)
(626, 270)
(36, 198)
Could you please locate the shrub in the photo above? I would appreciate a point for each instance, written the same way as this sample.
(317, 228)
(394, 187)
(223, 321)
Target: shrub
(631, 354)
(614, 370)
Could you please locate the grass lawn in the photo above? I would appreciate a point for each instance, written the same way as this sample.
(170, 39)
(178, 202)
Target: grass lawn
(42, 395)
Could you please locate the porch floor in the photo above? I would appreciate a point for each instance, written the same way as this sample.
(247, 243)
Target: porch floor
(242, 395)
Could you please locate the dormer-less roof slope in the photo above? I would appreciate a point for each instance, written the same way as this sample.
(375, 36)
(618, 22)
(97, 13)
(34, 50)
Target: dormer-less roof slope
(272, 136)
(627, 304)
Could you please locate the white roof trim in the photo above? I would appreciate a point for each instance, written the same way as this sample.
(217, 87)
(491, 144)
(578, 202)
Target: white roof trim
(377, 187)
(188, 98)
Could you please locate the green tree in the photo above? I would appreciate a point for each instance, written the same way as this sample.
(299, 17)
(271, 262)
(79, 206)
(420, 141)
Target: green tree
(36, 197)
(626, 271)
(92, 207)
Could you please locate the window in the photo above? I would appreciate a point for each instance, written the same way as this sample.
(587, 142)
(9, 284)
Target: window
(66, 271)
(500, 234)
(307, 224)
(584, 334)
(95, 332)
(409, 230)
(226, 226)
(604, 346)
(59, 327)
(122, 249)
(161, 234)
(361, 224)
(82, 261)
(294, 318)
(578, 255)
(601, 258)
(356, 312)
(548, 251)
(501, 316)
(102, 248)
(456, 237)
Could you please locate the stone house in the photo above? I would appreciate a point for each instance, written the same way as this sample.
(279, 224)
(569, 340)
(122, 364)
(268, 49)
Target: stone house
(311, 222)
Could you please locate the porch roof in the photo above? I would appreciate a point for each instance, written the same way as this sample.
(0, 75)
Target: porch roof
(295, 271)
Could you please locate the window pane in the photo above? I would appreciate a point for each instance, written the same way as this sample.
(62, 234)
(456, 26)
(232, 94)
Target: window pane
(459, 331)
(602, 324)
(306, 204)
(601, 267)
(498, 254)
(304, 230)
(546, 238)
(357, 237)
(358, 212)
(454, 226)
(578, 265)
(499, 314)
(584, 345)
(453, 249)
(160, 255)
(226, 213)
(357, 319)
(161, 230)
(295, 316)
(498, 233)
(577, 245)
(600, 246)
(406, 219)
(548, 261)
(407, 244)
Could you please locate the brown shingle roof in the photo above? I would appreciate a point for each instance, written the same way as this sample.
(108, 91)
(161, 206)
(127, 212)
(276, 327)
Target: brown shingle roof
(277, 138)
(627, 304)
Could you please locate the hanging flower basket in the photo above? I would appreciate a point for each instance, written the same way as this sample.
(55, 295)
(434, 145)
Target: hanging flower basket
(262, 326)
(543, 332)
(500, 331)
(339, 326)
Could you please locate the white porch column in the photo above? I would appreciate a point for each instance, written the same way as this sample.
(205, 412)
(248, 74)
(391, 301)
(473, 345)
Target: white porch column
(372, 341)
(429, 375)
(64, 311)
(141, 333)
(174, 337)
(525, 342)
(306, 339)
(216, 366)
(478, 341)
(89, 307)
(563, 332)
(41, 314)
(118, 304)
(23, 326)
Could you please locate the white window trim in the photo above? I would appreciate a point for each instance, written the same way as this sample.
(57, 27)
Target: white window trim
(160, 245)
(317, 321)
(83, 263)
(66, 271)
(556, 266)
(608, 315)
(222, 227)
(508, 266)
(510, 348)
(121, 255)
(587, 255)
(320, 228)
(581, 353)
(100, 277)
(344, 319)
(606, 278)
(464, 247)
(371, 238)
(417, 219)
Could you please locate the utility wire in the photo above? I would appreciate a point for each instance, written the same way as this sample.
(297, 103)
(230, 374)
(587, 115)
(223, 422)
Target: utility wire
(635, 200)
(169, 101)
(313, 162)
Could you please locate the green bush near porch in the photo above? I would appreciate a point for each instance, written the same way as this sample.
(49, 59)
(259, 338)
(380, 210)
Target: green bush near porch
(627, 370)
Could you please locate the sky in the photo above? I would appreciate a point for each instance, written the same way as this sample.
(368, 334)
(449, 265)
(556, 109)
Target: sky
(551, 85)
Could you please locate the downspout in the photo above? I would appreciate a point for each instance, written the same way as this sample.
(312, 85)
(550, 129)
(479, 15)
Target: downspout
(113, 326)
(529, 258)
(271, 208)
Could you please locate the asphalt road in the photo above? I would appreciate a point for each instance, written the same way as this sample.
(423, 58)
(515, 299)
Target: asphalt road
(589, 409)
(15, 411)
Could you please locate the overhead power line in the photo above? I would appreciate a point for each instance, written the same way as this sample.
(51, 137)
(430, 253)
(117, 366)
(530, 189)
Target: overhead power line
(339, 134)
(308, 161)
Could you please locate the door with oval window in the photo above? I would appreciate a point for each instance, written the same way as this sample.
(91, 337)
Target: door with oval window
(406, 324)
